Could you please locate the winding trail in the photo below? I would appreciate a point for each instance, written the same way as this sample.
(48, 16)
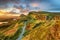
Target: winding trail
(23, 31)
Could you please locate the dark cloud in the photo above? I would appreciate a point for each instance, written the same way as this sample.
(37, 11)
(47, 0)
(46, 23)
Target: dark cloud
(7, 1)
(4, 1)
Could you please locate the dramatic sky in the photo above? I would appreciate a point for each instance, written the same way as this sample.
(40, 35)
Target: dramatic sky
(43, 5)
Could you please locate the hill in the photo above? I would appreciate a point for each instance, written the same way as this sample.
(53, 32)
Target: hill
(39, 26)
(44, 27)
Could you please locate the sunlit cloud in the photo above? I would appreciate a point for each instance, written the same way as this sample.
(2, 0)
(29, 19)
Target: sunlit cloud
(34, 4)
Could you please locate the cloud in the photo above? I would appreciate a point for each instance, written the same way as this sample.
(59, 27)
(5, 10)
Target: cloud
(3, 2)
(31, 4)
(34, 4)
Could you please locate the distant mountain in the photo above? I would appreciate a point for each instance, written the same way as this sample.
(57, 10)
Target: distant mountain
(8, 15)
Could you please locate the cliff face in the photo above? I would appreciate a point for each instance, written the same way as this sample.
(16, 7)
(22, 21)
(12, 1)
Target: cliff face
(50, 33)
(49, 30)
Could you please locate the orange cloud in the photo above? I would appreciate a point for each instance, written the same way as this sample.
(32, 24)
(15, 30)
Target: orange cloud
(35, 4)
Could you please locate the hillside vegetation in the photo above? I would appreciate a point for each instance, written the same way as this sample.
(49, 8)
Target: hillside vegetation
(46, 26)
(40, 26)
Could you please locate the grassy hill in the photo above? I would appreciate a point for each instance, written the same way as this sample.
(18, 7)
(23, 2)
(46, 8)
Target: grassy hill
(45, 27)
(40, 26)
